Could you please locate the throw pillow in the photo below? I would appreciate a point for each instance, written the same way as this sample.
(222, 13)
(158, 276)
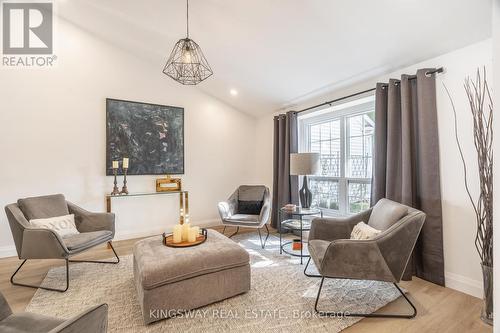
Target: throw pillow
(43, 207)
(249, 207)
(385, 213)
(63, 225)
(364, 231)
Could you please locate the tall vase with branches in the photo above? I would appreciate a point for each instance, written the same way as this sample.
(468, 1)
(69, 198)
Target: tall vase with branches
(481, 108)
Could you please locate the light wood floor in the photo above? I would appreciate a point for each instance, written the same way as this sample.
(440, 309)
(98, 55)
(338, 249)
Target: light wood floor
(439, 309)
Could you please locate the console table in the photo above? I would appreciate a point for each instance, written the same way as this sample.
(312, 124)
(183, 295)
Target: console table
(183, 201)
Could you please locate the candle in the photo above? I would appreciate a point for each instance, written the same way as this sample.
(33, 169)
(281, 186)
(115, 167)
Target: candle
(185, 231)
(197, 230)
(177, 233)
(115, 164)
(125, 162)
(192, 235)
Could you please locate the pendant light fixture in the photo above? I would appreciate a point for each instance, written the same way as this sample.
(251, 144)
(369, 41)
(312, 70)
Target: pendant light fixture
(187, 64)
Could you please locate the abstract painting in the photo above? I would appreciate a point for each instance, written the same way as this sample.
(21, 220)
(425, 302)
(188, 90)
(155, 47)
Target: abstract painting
(150, 135)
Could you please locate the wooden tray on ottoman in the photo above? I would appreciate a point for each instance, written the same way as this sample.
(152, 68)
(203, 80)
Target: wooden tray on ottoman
(168, 240)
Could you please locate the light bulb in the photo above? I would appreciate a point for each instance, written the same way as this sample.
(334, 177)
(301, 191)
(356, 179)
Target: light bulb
(186, 56)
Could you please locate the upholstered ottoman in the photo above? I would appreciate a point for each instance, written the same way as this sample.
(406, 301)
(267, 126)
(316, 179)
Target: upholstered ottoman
(169, 280)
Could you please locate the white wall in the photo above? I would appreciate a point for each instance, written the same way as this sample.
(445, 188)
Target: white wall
(52, 136)
(496, 163)
(461, 260)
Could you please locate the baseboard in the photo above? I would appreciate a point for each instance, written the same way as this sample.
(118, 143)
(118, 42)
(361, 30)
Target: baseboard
(464, 284)
(8, 251)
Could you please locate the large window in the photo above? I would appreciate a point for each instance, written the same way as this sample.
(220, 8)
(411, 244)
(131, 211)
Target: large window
(343, 135)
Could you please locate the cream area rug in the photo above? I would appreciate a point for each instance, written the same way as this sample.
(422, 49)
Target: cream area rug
(281, 298)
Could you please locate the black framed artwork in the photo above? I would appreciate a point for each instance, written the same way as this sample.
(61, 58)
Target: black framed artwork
(150, 135)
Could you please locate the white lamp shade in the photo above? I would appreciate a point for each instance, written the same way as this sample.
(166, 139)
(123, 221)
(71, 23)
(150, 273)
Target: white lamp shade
(304, 164)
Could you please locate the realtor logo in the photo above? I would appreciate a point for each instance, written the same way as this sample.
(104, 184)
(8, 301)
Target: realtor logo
(27, 29)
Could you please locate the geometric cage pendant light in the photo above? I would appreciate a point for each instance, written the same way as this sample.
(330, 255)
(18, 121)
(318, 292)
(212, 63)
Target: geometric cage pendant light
(187, 64)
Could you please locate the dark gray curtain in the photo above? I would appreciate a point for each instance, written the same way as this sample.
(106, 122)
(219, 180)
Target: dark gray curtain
(406, 164)
(285, 187)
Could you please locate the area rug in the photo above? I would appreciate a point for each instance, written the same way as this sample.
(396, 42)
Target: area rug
(281, 298)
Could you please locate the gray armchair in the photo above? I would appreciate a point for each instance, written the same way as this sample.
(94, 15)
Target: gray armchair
(36, 243)
(93, 320)
(235, 211)
(383, 258)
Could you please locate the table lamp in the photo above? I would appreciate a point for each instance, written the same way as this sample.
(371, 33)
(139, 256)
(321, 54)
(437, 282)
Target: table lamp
(304, 164)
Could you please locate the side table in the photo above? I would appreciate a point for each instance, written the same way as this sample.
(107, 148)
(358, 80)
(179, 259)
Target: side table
(297, 224)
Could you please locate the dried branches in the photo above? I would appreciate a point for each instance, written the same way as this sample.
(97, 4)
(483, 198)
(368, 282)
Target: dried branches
(481, 107)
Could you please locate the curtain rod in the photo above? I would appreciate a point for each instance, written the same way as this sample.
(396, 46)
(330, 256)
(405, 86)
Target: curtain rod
(436, 71)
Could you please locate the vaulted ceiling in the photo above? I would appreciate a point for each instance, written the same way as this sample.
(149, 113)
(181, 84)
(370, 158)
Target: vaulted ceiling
(278, 52)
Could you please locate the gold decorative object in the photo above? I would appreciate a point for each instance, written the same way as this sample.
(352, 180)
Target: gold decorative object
(186, 207)
(183, 207)
(168, 184)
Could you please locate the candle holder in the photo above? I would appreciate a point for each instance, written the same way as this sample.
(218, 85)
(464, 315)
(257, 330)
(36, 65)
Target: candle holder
(168, 240)
(124, 188)
(116, 191)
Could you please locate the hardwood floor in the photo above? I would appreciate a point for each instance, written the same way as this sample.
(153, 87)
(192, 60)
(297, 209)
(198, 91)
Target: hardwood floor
(439, 309)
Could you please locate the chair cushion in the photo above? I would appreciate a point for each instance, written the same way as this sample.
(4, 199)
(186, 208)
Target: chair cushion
(385, 213)
(243, 218)
(251, 192)
(43, 207)
(249, 207)
(86, 240)
(27, 322)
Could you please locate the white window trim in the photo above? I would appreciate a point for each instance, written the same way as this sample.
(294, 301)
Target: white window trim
(341, 111)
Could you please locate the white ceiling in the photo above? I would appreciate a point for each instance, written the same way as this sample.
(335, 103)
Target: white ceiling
(277, 52)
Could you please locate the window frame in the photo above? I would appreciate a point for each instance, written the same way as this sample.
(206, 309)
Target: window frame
(332, 113)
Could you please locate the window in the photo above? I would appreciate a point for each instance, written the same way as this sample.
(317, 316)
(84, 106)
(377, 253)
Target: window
(343, 135)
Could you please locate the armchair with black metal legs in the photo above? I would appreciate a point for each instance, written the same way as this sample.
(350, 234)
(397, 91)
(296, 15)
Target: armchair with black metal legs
(382, 258)
(35, 243)
(249, 207)
(94, 319)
